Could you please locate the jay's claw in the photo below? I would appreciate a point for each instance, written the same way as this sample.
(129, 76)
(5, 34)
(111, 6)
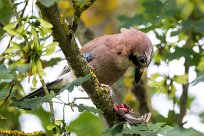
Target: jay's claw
(125, 113)
(108, 87)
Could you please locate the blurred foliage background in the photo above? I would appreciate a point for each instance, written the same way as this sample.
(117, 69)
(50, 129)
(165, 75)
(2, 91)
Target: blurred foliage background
(176, 28)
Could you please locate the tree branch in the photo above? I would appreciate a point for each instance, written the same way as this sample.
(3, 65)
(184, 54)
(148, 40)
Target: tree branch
(20, 133)
(184, 95)
(64, 34)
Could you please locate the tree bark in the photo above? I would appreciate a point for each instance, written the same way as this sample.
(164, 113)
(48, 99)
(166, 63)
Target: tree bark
(64, 34)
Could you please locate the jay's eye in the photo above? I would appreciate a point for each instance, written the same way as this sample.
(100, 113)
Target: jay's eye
(142, 59)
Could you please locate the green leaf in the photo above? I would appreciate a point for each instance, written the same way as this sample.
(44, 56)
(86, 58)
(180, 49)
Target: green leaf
(11, 25)
(6, 75)
(58, 122)
(1, 32)
(34, 81)
(82, 108)
(179, 52)
(114, 130)
(147, 130)
(5, 11)
(49, 49)
(15, 45)
(51, 126)
(33, 103)
(183, 79)
(46, 30)
(200, 66)
(153, 7)
(52, 62)
(44, 23)
(20, 28)
(22, 68)
(33, 31)
(87, 124)
(9, 28)
(40, 69)
(41, 32)
(5, 92)
(76, 82)
(136, 20)
(184, 132)
(12, 32)
(198, 26)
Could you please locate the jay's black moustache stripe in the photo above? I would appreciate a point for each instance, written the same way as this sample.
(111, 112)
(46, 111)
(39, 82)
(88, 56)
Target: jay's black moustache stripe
(134, 59)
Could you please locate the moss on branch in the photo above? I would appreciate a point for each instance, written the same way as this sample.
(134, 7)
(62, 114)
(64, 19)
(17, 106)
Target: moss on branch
(64, 34)
(20, 133)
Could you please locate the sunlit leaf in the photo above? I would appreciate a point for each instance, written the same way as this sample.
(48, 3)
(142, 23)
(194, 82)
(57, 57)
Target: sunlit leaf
(10, 25)
(15, 45)
(41, 32)
(183, 79)
(49, 49)
(46, 30)
(33, 31)
(9, 29)
(44, 23)
(51, 126)
(200, 66)
(20, 28)
(58, 122)
(34, 81)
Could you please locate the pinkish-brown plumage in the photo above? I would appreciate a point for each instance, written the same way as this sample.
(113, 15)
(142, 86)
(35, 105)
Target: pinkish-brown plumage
(111, 57)
(111, 53)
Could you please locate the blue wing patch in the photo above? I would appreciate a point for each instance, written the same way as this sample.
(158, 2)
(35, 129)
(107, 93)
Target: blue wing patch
(88, 56)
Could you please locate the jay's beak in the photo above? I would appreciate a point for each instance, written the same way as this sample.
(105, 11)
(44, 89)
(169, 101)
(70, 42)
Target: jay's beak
(138, 74)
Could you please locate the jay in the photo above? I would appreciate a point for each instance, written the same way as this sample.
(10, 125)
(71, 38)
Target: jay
(109, 56)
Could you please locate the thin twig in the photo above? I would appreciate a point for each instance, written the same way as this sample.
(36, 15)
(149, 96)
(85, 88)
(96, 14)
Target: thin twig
(58, 102)
(77, 98)
(50, 103)
(23, 10)
(78, 10)
(64, 112)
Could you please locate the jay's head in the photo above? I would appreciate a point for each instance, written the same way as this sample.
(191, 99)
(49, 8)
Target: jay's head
(138, 49)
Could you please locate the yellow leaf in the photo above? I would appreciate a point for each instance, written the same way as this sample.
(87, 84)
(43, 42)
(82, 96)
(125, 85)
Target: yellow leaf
(66, 7)
(128, 82)
(129, 96)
